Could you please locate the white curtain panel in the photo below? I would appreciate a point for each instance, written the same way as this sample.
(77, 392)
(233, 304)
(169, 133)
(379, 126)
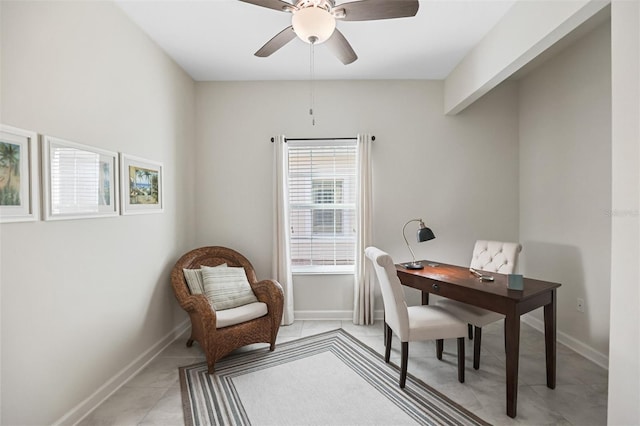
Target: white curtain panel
(363, 300)
(281, 266)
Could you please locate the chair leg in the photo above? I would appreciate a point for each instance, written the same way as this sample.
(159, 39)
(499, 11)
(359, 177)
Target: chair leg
(461, 359)
(476, 348)
(384, 321)
(403, 364)
(387, 342)
(470, 330)
(439, 348)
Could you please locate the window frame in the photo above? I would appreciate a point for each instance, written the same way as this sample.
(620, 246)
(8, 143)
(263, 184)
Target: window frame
(343, 206)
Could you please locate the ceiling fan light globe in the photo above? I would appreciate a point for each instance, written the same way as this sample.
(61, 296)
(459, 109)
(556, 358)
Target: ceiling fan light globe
(313, 24)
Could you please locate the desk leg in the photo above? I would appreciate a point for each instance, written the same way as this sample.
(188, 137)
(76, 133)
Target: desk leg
(425, 297)
(512, 330)
(550, 340)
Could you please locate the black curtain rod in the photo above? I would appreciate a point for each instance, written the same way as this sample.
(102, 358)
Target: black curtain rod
(373, 138)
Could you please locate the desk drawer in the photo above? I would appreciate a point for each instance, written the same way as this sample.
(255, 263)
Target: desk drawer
(447, 290)
(458, 292)
(470, 296)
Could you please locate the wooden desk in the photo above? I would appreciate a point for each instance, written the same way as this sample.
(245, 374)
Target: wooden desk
(456, 282)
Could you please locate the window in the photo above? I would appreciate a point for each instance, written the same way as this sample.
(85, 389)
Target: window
(322, 194)
(327, 220)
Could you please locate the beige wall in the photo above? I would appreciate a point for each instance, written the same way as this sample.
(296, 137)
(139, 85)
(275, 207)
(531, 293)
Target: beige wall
(88, 301)
(624, 386)
(565, 185)
(460, 174)
(527, 30)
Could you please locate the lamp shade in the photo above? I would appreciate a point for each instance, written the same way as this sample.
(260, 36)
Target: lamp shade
(313, 24)
(425, 234)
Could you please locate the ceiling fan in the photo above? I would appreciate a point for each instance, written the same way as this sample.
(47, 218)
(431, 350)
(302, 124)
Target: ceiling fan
(314, 21)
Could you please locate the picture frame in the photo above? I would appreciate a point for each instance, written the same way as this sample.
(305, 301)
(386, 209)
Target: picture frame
(79, 181)
(19, 195)
(142, 185)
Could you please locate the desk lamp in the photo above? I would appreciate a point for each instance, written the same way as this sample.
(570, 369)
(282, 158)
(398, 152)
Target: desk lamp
(424, 234)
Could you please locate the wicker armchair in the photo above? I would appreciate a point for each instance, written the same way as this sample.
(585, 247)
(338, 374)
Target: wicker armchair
(218, 342)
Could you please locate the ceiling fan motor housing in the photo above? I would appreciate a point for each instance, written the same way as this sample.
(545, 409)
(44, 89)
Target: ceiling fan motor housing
(313, 24)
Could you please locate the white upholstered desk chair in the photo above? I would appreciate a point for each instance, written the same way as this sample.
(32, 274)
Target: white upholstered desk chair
(489, 256)
(412, 323)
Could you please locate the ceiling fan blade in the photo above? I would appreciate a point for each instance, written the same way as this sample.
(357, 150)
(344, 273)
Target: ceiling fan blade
(279, 40)
(371, 10)
(280, 5)
(341, 47)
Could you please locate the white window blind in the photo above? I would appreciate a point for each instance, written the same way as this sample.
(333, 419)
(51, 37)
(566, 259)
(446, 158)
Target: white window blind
(322, 201)
(75, 181)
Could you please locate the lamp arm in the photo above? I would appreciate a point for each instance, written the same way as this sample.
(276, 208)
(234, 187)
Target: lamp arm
(405, 237)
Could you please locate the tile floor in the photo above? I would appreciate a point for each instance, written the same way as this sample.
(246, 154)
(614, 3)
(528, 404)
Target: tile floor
(580, 398)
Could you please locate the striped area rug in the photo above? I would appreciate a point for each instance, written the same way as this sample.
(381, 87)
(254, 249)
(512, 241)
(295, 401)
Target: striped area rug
(326, 379)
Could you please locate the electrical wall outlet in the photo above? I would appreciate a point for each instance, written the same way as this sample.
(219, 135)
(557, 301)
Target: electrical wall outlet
(580, 305)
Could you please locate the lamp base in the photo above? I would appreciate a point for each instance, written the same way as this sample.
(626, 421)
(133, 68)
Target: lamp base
(413, 265)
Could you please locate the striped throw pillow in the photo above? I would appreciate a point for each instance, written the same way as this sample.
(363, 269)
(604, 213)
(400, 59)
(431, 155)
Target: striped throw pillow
(227, 288)
(194, 279)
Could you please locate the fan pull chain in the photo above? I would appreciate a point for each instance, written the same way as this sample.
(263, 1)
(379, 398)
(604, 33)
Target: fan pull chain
(311, 84)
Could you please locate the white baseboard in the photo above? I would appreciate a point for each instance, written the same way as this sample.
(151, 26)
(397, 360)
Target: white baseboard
(323, 315)
(80, 411)
(586, 351)
(332, 315)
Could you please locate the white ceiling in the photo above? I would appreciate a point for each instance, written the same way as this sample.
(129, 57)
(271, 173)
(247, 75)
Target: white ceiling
(216, 39)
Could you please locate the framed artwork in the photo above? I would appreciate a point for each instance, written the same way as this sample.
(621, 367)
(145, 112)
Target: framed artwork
(142, 183)
(18, 175)
(79, 181)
